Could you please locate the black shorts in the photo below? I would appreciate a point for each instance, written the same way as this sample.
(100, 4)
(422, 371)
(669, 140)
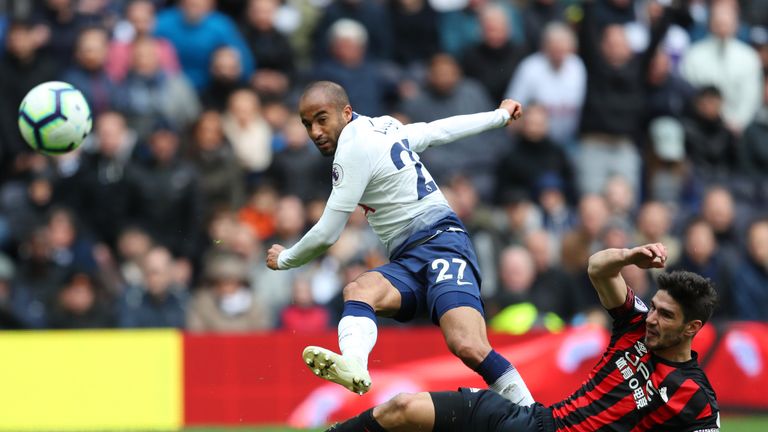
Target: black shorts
(486, 411)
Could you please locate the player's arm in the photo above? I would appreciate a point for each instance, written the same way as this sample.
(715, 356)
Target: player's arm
(439, 132)
(605, 270)
(351, 174)
(322, 236)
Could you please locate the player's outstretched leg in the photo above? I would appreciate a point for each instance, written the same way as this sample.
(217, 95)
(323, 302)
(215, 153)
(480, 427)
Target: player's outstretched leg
(403, 412)
(368, 294)
(465, 334)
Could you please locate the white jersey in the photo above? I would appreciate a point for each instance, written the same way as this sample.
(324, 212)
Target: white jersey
(377, 167)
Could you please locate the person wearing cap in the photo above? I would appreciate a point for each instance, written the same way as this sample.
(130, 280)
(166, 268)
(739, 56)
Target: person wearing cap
(667, 168)
(227, 303)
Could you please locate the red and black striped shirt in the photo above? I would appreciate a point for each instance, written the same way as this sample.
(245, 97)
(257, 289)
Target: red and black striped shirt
(631, 389)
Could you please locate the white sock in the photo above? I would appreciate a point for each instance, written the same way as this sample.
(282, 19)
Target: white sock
(357, 336)
(519, 393)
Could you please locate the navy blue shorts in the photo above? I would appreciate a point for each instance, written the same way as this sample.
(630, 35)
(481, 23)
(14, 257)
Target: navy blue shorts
(436, 276)
(486, 411)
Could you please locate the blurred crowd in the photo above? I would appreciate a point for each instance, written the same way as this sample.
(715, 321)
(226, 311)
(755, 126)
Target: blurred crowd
(645, 121)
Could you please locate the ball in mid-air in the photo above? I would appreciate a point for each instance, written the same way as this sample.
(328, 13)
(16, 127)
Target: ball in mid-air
(54, 118)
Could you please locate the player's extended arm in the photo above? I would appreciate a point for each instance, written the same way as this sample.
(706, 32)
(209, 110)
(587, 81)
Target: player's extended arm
(439, 132)
(605, 267)
(322, 236)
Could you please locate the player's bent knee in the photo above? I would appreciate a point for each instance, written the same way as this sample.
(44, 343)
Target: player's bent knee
(354, 291)
(400, 408)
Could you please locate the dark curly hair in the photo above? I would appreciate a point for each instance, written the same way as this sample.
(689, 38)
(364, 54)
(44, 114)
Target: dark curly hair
(695, 294)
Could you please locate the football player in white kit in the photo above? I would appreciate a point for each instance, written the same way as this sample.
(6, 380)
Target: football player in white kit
(432, 266)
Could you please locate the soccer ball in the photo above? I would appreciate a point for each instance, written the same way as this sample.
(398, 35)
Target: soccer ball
(54, 118)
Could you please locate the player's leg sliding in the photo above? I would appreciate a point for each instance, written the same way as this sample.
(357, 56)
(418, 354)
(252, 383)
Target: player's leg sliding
(504, 379)
(363, 422)
(357, 336)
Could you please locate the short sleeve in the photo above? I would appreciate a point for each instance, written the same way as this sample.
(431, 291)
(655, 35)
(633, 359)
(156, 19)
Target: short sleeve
(630, 313)
(350, 174)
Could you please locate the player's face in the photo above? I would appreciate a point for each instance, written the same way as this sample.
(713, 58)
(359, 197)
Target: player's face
(324, 122)
(665, 326)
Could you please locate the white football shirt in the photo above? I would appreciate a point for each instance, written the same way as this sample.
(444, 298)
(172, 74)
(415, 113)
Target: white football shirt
(377, 167)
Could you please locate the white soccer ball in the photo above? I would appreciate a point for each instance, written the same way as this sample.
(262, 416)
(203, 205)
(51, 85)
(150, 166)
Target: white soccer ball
(54, 118)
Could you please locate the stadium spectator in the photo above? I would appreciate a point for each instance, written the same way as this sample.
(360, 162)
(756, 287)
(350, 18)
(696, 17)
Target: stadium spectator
(580, 241)
(349, 65)
(447, 93)
(61, 24)
(701, 255)
(290, 224)
(70, 248)
(29, 209)
(164, 193)
(621, 199)
(150, 94)
(271, 49)
(8, 318)
(88, 73)
(300, 156)
(460, 29)
(37, 280)
(537, 16)
(101, 187)
(227, 304)
(248, 133)
(303, 315)
(493, 59)
(521, 216)
(553, 287)
(753, 146)
(80, 303)
(558, 217)
(668, 176)
(555, 78)
(513, 308)
(372, 15)
(710, 144)
(534, 155)
(415, 33)
(196, 30)
(226, 70)
(613, 108)
(259, 211)
(22, 66)
(158, 301)
(668, 94)
(728, 64)
(219, 173)
(750, 278)
(140, 19)
(654, 225)
(719, 210)
(133, 244)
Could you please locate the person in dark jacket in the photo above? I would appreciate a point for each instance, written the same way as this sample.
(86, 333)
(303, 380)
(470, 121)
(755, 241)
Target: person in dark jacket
(751, 276)
(615, 101)
(21, 67)
(164, 195)
(492, 60)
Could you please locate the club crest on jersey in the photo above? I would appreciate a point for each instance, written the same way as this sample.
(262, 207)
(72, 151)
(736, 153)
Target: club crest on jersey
(337, 174)
(639, 305)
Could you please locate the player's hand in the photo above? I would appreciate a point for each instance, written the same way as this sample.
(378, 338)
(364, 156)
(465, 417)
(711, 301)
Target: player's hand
(652, 255)
(272, 255)
(514, 108)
